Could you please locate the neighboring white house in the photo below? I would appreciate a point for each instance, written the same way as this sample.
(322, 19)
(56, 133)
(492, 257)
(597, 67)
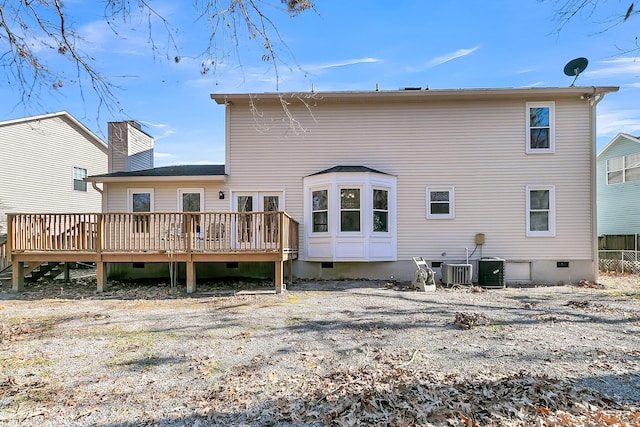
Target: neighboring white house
(619, 186)
(43, 163)
(375, 178)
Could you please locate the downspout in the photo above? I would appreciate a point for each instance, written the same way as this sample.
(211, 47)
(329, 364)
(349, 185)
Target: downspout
(594, 100)
(94, 184)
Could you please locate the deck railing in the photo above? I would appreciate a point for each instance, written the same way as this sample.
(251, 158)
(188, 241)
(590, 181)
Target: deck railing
(154, 232)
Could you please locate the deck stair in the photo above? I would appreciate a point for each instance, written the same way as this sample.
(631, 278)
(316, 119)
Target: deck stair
(4, 258)
(43, 271)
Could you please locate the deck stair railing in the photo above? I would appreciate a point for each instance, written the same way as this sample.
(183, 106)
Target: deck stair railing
(4, 258)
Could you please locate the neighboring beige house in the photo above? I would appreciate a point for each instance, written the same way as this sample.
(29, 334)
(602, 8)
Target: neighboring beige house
(44, 162)
(376, 178)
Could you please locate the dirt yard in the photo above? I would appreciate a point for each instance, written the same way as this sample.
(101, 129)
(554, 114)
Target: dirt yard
(324, 353)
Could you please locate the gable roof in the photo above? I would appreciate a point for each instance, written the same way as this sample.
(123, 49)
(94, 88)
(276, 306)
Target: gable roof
(347, 169)
(62, 114)
(614, 141)
(166, 173)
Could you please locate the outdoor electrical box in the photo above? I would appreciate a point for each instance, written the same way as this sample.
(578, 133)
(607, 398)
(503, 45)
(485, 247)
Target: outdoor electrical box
(491, 273)
(480, 239)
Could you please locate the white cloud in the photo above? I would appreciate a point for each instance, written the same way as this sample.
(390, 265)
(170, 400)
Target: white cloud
(535, 84)
(165, 128)
(460, 53)
(627, 121)
(616, 68)
(158, 155)
(340, 64)
(451, 56)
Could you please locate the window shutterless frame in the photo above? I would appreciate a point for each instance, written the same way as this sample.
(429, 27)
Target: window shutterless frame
(78, 175)
(541, 210)
(540, 127)
(440, 203)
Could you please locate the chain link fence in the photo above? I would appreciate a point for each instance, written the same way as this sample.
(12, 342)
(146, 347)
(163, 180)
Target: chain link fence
(619, 261)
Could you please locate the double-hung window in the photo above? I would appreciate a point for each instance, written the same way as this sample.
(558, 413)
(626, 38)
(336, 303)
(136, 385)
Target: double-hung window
(623, 169)
(440, 203)
(380, 210)
(541, 210)
(541, 133)
(78, 175)
(320, 210)
(349, 209)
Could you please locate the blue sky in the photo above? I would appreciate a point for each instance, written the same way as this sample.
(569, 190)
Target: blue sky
(353, 45)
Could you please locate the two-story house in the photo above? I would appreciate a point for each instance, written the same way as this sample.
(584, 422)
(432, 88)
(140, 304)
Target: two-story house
(363, 181)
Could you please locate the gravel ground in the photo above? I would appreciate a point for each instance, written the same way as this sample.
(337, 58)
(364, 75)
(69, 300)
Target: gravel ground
(323, 353)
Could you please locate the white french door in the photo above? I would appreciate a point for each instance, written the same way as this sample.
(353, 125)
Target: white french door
(191, 200)
(258, 231)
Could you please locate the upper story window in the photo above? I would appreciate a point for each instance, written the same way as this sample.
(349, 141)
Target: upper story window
(320, 211)
(380, 210)
(541, 210)
(349, 209)
(440, 203)
(623, 169)
(541, 132)
(78, 175)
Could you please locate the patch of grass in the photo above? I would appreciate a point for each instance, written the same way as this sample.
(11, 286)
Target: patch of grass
(293, 320)
(135, 347)
(211, 368)
(18, 361)
(293, 299)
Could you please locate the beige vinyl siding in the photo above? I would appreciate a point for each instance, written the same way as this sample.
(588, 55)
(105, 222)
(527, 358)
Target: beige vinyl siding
(36, 168)
(140, 150)
(165, 195)
(478, 147)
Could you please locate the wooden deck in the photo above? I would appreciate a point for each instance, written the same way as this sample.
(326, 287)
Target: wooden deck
(151, 237)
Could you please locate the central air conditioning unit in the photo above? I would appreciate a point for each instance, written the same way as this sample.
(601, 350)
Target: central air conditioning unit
(457, 274)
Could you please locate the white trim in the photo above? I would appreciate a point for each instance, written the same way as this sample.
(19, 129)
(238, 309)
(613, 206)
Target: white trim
(388, 210)
(360, 189)
(310, 192)
(182, 191)
(452, 202)
(552, 127)
(132, 191)
(148, 178)
(350, 246)
(551, 232)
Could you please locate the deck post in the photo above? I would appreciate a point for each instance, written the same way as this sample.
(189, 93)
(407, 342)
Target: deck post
(17, 278)
(66, 272)
(101, 267)
(191, 276)
(290, 270)
(101, 275)
(279, 280)
(190, 266)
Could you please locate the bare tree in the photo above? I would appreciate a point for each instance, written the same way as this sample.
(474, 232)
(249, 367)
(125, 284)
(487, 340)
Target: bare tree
(31, 29)
(571, 10)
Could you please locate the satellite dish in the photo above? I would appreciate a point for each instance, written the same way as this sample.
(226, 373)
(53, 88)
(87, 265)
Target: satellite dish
(575, 67)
